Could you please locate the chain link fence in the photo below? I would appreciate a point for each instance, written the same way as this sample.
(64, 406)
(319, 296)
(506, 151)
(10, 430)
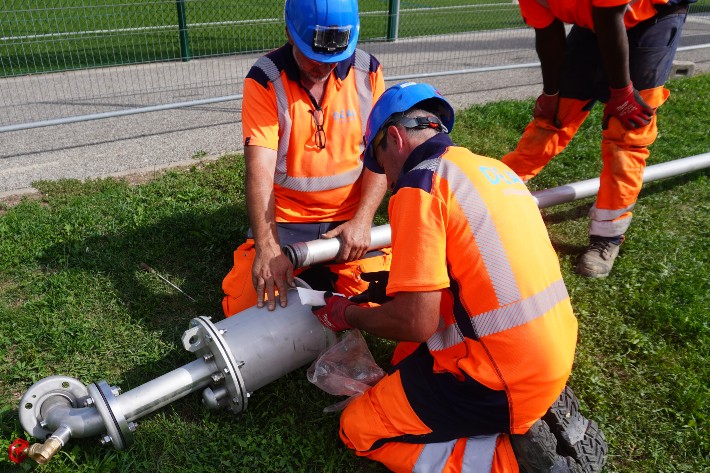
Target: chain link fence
(71, 60)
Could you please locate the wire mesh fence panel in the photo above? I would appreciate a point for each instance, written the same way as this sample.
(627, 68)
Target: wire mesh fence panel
(67, 58)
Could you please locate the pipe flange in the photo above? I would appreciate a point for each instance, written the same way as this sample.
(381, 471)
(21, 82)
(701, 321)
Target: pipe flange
(115, 422)
(203, 338)
(30, 411)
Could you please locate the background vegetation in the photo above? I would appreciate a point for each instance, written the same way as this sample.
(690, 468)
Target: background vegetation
(73, 301)
(63, 35)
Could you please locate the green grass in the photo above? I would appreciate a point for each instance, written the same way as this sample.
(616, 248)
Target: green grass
(74, 302)
(92, 33)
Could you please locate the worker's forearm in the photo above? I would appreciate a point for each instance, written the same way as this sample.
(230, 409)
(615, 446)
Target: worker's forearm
(260, 205)
(613, 44)
(410, 317)
(550, 44)
(373, 191)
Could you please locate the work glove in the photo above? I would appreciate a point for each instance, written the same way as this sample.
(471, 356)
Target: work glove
(546, 107)
(627, 105)
(377, 289)
(332, 314)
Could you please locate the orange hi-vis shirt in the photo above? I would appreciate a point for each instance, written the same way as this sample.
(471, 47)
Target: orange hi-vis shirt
(466, 225)
(311, 184)
(540, 13)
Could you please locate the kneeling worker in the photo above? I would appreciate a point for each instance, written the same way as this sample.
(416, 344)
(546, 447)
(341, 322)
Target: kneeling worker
(474, 282)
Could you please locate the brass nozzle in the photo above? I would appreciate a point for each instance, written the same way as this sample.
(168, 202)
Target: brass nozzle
(43, 452)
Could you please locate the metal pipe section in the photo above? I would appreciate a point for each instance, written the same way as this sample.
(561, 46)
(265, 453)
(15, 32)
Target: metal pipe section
(579, 190)
(304, 254)
(153, 395)
(321, 251)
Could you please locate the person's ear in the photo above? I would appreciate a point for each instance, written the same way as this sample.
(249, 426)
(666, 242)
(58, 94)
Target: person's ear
(397, 134)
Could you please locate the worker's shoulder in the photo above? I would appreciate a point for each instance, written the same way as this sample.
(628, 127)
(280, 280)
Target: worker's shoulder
(269, 67)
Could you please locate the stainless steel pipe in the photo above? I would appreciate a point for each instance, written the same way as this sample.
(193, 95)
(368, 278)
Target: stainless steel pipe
(306, 253)
(322, 251)
(579, 190)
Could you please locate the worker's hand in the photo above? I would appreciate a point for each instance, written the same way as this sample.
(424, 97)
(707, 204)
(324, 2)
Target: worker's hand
(354, 239)
(628, 107)
(332, 314)
(377, 289)
(546, 107)
(269, 272)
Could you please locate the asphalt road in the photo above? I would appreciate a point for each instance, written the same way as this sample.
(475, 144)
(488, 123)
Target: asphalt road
(152, 141)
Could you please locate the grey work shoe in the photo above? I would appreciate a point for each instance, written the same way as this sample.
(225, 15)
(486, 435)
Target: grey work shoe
(577, 437)
(598, 258)
(563, 441)
(536, 452)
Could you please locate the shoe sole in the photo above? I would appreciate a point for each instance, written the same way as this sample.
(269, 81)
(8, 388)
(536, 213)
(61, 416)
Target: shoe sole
(536, 451)
(577, 437)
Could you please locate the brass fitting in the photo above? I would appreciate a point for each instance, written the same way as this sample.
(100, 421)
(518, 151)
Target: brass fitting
(43, 452)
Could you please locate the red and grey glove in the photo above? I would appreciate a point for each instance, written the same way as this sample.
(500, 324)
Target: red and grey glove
(627, 105)
(332, 314)
(546, 106)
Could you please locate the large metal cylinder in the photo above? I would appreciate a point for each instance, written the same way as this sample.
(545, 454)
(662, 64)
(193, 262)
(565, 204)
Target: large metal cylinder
(256, 347)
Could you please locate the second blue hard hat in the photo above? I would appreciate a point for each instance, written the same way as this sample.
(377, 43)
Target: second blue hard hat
(398, 99)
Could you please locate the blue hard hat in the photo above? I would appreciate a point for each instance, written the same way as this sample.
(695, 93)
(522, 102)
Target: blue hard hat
(398, 99)
(323, 30)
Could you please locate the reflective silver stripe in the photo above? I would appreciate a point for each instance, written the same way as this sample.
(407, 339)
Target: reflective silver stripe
(433, 457)
(445, 338)
(272, 73)
(478, 456)
(521, 312)
(503, 318)
(596, 213)
(485, 233)
(323, 183)
(609, 228)
(364, 89)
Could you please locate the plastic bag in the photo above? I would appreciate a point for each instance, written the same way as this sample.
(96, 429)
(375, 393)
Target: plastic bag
(345, 369)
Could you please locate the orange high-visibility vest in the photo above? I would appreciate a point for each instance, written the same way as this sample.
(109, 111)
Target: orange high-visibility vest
(311, 183)
(467, 225)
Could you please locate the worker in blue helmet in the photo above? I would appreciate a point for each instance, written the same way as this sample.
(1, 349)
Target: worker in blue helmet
(476, 300)
(304, 113)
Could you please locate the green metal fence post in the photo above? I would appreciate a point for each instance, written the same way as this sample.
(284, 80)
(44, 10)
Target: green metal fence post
(393, 21)
(182, 25)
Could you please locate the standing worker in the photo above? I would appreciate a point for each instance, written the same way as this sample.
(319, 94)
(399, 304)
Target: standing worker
(618, 52)
(304, 112)
(477, 300)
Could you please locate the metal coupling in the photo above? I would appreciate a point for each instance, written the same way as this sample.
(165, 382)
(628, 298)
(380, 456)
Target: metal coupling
(43, 452)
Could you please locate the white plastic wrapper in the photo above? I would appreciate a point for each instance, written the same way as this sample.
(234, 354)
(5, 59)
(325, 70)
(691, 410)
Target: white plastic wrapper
(312, 297)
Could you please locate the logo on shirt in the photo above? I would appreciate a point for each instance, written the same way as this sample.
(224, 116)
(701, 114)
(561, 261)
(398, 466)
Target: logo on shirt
(495, 176)
(344, 115)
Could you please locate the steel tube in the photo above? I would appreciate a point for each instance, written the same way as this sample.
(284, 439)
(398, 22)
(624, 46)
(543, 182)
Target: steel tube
(321, 251)
(304, 254)
(161, 391)
(579, 190)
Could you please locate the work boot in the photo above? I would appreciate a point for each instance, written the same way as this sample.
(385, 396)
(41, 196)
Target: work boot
(577, 437)
(598, 258)
(536, 452)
